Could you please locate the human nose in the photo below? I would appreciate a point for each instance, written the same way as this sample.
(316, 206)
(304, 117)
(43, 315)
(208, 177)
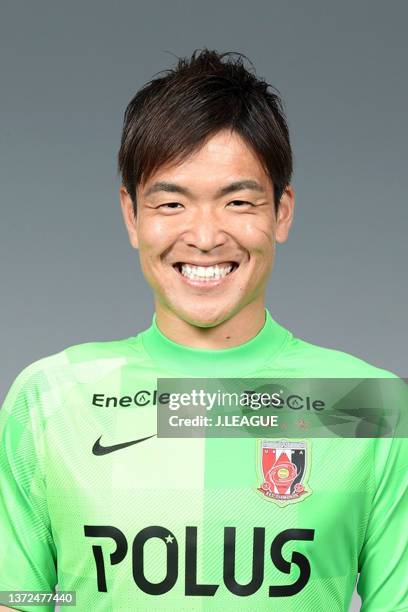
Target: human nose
(206, 229)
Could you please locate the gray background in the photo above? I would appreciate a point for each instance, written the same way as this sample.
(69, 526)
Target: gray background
(68, 69)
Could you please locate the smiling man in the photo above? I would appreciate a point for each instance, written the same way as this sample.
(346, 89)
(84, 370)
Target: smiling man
(207, 230)
(94, 500)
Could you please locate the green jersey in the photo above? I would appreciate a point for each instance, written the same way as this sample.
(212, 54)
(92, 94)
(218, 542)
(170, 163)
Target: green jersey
(94, 502)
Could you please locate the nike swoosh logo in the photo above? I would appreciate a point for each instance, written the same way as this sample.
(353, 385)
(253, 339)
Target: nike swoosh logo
(97, 449)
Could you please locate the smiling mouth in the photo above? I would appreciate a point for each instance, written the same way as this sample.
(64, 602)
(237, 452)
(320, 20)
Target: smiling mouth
(206, 273)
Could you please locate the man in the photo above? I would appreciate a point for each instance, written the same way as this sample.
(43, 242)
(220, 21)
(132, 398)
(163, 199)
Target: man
(94, 500)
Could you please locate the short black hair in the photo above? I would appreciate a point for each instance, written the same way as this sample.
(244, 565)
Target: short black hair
(171, 116)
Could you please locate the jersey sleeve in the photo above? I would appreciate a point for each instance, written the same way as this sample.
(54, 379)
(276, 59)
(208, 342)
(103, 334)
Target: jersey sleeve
(383, 559)
(27, 551)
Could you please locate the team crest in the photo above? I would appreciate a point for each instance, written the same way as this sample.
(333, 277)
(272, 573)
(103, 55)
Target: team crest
(284, 470)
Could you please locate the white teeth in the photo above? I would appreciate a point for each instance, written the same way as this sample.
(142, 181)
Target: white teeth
(205, 272)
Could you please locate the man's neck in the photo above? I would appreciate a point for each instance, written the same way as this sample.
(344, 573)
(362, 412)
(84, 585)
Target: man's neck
(238, 329)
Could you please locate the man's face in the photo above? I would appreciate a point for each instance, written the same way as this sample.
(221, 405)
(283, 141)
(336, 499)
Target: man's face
(206, 231)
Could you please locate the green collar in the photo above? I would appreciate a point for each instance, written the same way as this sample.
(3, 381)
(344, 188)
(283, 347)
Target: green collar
(231, 362)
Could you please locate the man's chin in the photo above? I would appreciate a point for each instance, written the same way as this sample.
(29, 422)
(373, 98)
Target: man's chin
(205, 317)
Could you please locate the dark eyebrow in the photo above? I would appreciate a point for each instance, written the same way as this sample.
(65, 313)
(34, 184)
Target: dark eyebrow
(238, 185)
(235, 186)
(170, 187)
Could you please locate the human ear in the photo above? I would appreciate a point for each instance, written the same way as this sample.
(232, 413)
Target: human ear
(129, 216)
(285, 214)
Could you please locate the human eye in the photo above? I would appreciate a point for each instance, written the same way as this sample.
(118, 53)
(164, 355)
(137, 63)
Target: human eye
(170, 206)
(241, 203)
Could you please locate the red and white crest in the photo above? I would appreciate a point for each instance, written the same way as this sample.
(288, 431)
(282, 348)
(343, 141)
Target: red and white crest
(284, 466)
